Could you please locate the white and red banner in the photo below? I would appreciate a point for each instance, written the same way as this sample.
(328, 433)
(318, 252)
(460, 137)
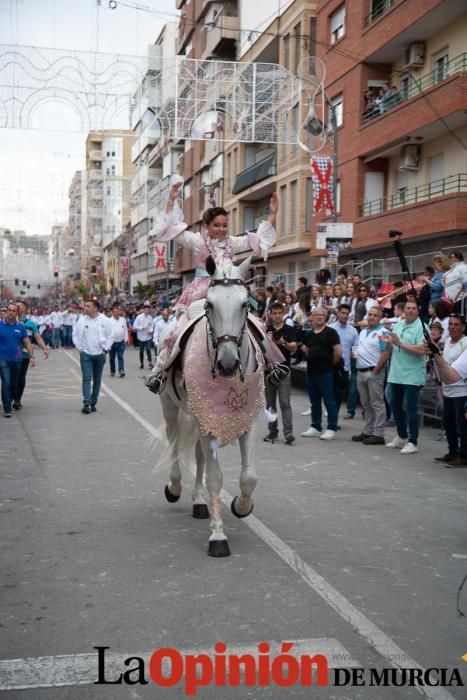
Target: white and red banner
(124, 266)
(160, 255)
(322, 176)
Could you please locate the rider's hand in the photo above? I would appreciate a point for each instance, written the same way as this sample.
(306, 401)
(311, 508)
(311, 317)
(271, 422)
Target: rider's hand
(274, 204)
(175, 191)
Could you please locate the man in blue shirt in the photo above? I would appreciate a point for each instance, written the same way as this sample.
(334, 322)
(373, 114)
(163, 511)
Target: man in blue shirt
(348, 335)
(12, 337)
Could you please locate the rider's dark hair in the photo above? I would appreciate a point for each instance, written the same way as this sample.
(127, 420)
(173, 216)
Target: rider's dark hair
(210, 214)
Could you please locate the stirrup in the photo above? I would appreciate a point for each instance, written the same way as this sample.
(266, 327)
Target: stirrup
(156, 382)
(276, 373)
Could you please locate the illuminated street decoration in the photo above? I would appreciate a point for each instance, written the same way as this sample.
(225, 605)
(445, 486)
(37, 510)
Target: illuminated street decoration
(187, 98)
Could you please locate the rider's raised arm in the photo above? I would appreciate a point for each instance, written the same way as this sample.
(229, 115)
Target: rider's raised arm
(261, 240)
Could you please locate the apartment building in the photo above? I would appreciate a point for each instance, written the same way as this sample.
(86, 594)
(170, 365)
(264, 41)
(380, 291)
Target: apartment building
(107, 200)
(254, 171)
(207, 31)
(156, 163)
(397, 70)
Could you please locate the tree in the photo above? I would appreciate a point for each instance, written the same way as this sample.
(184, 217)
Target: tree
(83, 289)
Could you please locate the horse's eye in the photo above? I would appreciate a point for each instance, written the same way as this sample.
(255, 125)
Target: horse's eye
(208, 305)
(244, 305)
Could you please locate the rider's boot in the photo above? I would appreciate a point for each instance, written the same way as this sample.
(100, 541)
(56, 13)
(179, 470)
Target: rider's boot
(156, 381)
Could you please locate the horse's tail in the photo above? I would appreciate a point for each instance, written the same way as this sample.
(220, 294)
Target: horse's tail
(188, 434)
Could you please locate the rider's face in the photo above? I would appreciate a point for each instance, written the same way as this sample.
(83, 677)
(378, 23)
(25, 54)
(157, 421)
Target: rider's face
(218, 227)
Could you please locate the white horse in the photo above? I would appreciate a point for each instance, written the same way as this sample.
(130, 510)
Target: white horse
(219, 383)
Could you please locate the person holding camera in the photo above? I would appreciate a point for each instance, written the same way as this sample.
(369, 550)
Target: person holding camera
(283, 335)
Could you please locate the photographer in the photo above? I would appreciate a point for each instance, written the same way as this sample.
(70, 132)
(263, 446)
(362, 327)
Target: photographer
(284, 337)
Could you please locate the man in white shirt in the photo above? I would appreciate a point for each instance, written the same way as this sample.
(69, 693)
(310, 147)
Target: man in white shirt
(161, 324)
(92, 335)
(56, 321)
(372, 355)
(69, 320)
(144, 327)
(349, 337)
(455, 398)
(119, 329)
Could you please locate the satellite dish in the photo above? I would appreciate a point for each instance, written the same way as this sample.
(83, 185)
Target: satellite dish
(207, 125)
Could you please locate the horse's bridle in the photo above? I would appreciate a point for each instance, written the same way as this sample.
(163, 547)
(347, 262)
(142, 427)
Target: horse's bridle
(216, 341)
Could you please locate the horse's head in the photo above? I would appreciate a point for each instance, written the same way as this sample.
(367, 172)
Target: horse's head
(226, 312)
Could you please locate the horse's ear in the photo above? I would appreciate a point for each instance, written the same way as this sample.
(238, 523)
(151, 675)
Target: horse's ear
(242, 269)
(210, 265)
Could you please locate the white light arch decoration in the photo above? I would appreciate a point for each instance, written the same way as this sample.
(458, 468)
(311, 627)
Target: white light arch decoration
(190, 98)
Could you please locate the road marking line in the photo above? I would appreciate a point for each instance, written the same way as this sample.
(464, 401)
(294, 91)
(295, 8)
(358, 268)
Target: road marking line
(81, 669)
(380, 641)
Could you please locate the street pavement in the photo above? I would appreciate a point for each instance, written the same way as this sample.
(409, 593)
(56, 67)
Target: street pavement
(360, 551)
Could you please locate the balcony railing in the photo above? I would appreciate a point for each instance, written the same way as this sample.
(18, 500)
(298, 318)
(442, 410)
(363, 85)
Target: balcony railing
(95, 155)
(379, 8)
(457, 65)
(94, 174)
(414, 195)
(255, 173)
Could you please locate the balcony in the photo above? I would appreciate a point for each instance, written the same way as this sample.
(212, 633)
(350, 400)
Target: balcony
(143, 175)
(95, 155)
(94, 174)
(255, 173)
(96, 193)
(416, 87)
(95, 212)
(414, 195)
(378, 9)
(431, 209)
(392, 25)
(138, 213)
(424, 116)
(221, 38)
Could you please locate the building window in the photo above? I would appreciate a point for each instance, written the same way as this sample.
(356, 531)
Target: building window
(338, 105)
(312, 49)
(286, 51)
(283, 210)
(113, 154)
(298, 48)
(293, 207)
(440, 65)
(337, 24)
(108, 154)
(112, 170)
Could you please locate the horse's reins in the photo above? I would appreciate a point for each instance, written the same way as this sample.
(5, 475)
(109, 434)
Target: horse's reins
(216, 341)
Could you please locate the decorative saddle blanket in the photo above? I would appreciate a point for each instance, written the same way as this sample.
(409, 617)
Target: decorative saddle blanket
(225, 407)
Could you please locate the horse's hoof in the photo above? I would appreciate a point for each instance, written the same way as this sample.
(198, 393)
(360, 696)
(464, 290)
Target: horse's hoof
(170, 496)
(219, 548)
(236, 513)
(200, 511)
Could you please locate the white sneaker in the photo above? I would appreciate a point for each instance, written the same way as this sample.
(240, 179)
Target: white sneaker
(409, 449)
(396, 442)
(328, 435)
(311, 432)
(307, 412)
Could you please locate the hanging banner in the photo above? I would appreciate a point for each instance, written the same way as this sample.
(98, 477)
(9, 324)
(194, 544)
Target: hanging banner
(321, 173)
(124, 266)
(159, 252)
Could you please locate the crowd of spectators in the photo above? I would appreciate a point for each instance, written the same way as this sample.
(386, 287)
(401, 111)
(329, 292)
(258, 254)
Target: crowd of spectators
(376, 101)
(368, 345)
(355, 343)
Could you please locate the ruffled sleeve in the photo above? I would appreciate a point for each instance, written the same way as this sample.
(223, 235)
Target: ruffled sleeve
(259, 242)
(169, 226)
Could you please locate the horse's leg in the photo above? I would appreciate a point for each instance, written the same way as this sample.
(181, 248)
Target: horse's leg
(200, 509)
(170, 413)
(243, 505)
(218, 545)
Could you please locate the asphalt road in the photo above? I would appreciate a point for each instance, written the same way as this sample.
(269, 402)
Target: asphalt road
(359, 551)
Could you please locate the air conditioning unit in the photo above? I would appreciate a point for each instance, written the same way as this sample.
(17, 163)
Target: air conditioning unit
(415, 55)
(409, 157)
